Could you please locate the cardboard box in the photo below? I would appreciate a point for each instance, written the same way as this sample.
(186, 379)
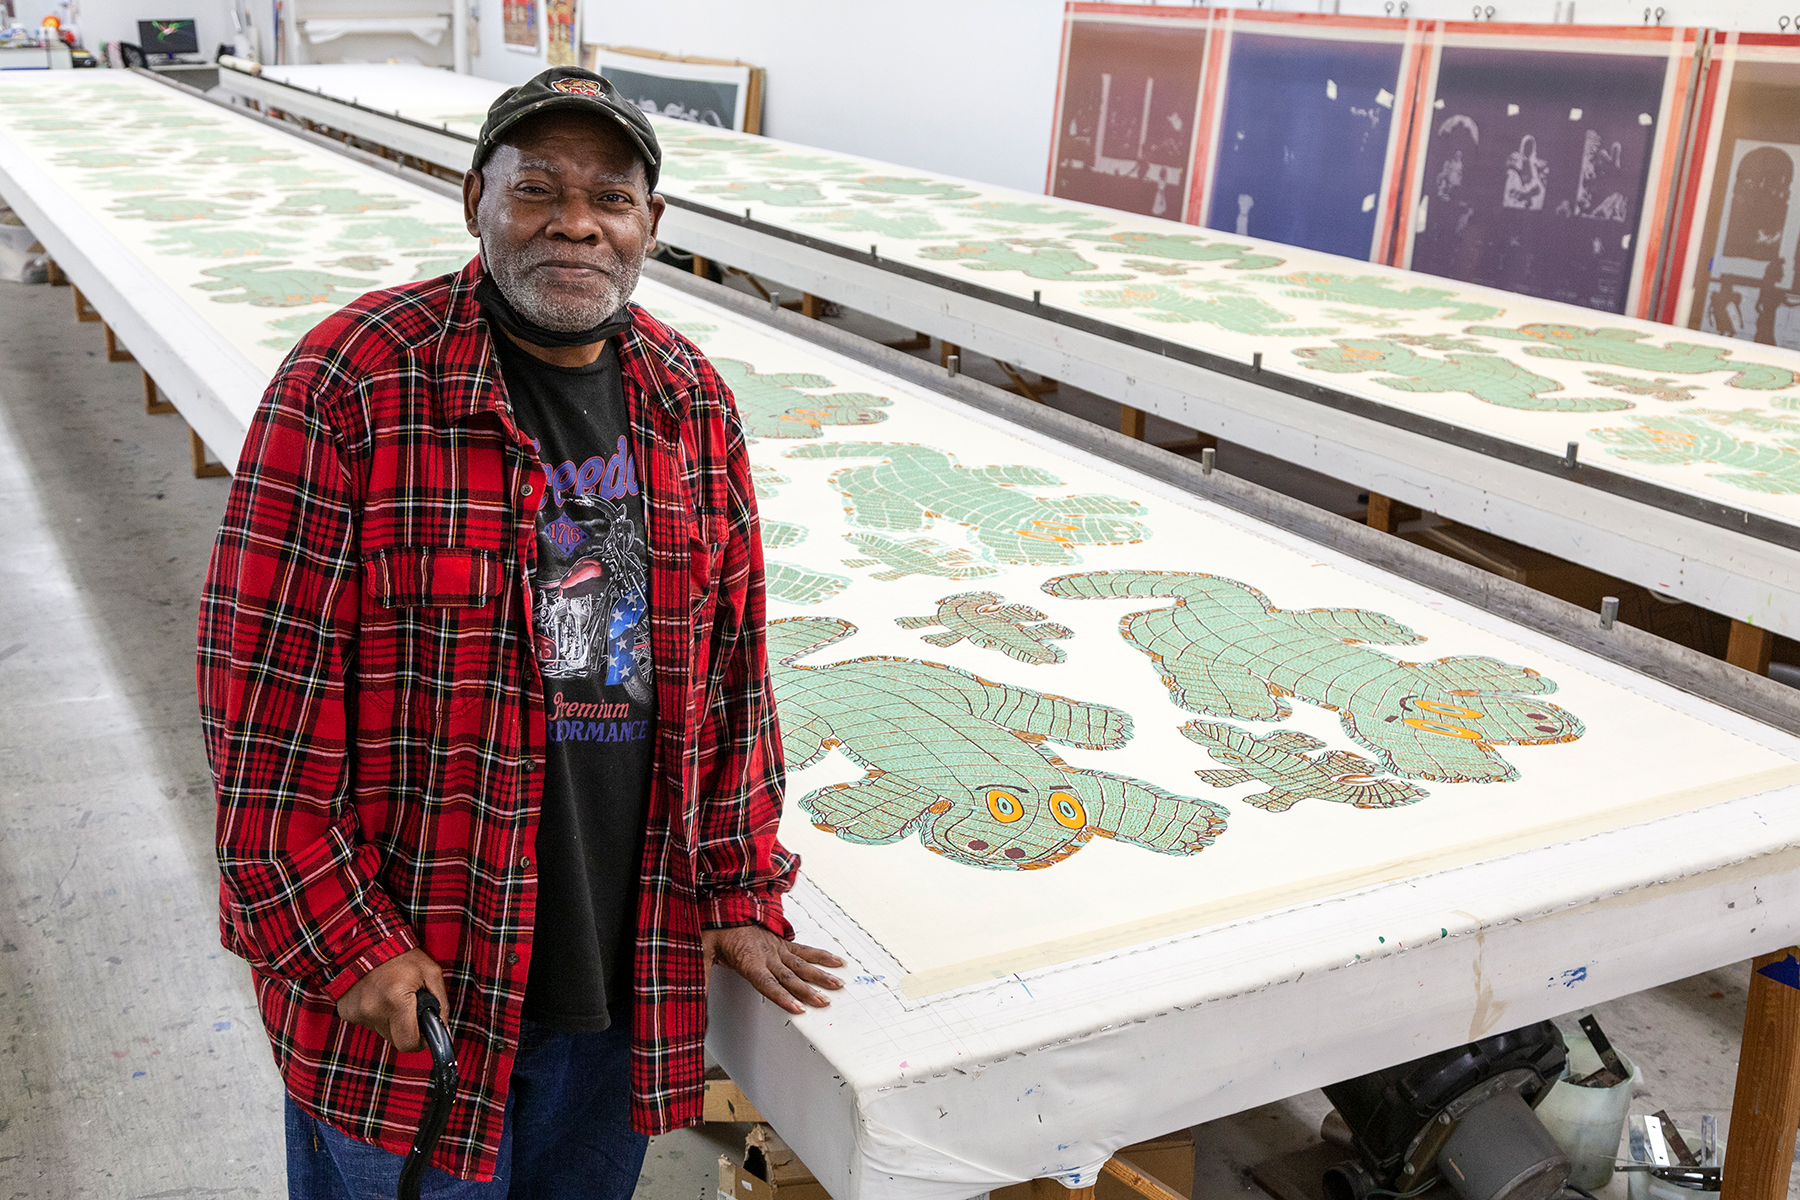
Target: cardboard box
(771, 1171)
(1169, 1158)
(726, 1102)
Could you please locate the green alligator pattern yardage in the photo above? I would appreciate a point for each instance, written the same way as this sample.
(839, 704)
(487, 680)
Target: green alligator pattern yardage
(334, 201)
(1223, 650)
(773, 405)
(897, 223)
(1016, 630)
(913, 485)
(1280, 759)
(1219, 304)
(1658, 389)
(1182, 247)
(1699, 437)
(1614, 347)
(1375, 291)
(1484, 376)
(960, 761)
(1038, 258)
(915, 556)
(277, 285)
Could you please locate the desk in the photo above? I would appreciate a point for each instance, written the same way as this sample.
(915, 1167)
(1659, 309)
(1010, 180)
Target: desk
(53, 56)
(1197, 937)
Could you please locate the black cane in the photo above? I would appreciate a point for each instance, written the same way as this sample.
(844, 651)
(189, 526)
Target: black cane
(443, 1094)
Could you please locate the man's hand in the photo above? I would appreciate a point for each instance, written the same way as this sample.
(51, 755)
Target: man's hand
(383, 1000)
(779, 969)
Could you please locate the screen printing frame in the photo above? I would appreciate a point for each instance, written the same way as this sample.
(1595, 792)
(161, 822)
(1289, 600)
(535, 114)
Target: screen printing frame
(1722, 558)
(1243, 1012)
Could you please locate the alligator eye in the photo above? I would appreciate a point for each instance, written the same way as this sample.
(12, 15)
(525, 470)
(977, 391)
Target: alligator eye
(1005, 806)
(1068, 811)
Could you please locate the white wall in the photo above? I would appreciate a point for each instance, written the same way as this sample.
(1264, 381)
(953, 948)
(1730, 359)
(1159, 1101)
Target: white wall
(116, 20)
(962, 87)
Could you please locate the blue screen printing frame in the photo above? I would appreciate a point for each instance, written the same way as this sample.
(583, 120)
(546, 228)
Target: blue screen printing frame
(1306, 138)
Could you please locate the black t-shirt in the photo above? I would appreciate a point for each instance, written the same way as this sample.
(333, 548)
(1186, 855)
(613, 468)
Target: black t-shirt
(590, 614)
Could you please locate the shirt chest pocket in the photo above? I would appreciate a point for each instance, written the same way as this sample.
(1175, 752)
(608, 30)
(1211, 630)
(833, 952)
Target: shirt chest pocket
(432, 577)
(429, 644)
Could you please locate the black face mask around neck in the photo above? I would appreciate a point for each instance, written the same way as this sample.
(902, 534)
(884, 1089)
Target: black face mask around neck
(500, 310)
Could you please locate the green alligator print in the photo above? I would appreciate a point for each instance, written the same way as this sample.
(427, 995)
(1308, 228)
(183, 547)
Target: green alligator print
(961, 762)
(1280, 760)
(991, 623)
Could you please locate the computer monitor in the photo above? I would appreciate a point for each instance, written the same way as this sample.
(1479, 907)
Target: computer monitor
(168, 37)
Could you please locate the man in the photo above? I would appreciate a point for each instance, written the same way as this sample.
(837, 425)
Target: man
(485, 693)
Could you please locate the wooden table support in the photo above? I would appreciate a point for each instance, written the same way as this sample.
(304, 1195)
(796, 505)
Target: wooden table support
(1133, 421)
(945, 350)
(812, 307)
(203, 468)
(57, 278)
(153, 403)
(1765, 1109)
(701, 267)
(1749, 648)
(114, 351)
(83, 310)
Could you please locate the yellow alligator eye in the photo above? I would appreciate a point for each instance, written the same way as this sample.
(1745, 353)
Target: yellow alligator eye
(1005, 806)
(1448, 710)
(1068, 811)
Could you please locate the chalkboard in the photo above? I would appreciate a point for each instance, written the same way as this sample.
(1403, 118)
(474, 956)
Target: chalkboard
(1534, 171)
(1303, 143)
(1747, 286)
(1126, 115)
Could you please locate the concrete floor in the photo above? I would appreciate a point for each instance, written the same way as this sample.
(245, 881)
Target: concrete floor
(133, 1064)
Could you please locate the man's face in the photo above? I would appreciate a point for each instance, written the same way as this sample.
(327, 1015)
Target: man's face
(565, 216)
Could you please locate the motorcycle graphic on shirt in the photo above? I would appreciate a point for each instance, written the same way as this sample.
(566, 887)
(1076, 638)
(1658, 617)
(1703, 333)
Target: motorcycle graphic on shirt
(592, 588)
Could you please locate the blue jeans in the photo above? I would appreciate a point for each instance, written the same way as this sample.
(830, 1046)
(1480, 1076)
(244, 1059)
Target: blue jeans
(567, 1133)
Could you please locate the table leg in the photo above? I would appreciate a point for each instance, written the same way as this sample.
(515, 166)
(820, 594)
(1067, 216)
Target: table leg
(1749, 647)
(945, 350)
(202, 468)
(57, 278)
(701, 267)
(1765, 1109)
(115, 352)
(83, 310)
(1132, 421)
(153, 404)
(1381, 513)
(811, 306)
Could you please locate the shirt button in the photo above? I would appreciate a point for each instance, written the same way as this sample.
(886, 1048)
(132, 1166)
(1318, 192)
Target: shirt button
(525, 862)
(512, 960)
(526, 490)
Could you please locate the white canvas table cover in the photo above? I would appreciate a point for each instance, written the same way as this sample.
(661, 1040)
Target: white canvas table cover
(974, 621)
(1699, 436)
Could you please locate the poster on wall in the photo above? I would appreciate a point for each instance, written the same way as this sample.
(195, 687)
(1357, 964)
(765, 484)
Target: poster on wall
(519, 25)
(1533, 170)
(1127, 108)
(1745, 285)
(708, 91)
(560, 35)
(1307, 141)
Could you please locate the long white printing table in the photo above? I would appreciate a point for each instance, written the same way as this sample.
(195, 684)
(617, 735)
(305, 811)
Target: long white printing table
(1461, 400)
(1127, 808)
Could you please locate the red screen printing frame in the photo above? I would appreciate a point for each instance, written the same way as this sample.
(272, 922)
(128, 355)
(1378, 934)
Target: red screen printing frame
(1076, 13)
(1687, 248)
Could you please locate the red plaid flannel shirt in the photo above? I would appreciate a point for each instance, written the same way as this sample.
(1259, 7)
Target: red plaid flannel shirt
(374, 713)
